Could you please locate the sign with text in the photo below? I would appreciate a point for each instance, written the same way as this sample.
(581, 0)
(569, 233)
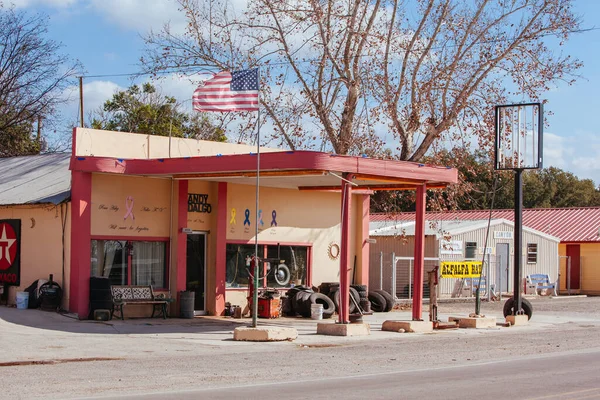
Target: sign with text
(198, 203)
(503, 235)
(460, 269)
(451, 247)
(10, 252)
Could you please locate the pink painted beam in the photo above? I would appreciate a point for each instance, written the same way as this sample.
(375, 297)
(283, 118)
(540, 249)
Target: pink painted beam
(419, 253)
(81, 225)
(182, 212)
(220, 249)
(346, 198)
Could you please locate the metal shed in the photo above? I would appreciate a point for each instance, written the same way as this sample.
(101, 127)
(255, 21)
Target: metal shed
(456, 241)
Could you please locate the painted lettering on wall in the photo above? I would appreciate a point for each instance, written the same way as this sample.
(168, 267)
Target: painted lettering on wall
(198, 203)
(460, 269)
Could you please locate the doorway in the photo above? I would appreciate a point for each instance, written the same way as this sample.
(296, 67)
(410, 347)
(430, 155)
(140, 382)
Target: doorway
(574, 272)
(502, 272)
(195, 280)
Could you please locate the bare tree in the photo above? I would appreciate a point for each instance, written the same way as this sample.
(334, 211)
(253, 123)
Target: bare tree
(359, 74)
(33, 75)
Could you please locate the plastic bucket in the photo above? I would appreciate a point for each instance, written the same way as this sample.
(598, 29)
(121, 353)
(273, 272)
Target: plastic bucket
(316, 311)
(22, 300)
(186, 300)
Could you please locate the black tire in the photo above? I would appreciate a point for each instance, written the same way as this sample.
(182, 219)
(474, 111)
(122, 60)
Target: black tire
(292, 292)
(389, 299)
(525, 304)
(328, 306)
(297, 300)
(363, 294)
(335, 296)
(327, 287)
(359, 288)
(378, 302)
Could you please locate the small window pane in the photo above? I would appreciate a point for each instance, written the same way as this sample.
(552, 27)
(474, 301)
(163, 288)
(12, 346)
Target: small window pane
(236, 269)
(109, 259)
(532, 253)
(470, 250)
(148, 264)
(295, 258)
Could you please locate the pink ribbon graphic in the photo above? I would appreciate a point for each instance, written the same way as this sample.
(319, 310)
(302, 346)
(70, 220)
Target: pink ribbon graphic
(129, 207)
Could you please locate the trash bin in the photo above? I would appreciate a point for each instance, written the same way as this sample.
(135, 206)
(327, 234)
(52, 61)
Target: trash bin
(186, 300)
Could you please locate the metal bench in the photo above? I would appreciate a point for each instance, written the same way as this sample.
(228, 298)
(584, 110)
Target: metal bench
(542, 281)
(481, 281)
(137, 294)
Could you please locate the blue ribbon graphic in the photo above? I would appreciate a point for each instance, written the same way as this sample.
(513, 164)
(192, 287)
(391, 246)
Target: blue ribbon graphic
(260, 221)
(274, 220)
(247, 220)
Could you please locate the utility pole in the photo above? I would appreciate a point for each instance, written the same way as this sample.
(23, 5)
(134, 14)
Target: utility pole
(81, 100)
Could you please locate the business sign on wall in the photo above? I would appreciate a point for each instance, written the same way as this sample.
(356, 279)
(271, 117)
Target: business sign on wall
(451, 247)
(10, 252)
(460, 269)
(199, 203)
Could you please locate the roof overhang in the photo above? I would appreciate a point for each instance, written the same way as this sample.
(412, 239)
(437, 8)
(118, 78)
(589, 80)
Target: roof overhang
(302, 170)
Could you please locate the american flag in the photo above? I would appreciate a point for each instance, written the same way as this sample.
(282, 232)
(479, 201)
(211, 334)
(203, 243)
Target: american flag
(228, 91)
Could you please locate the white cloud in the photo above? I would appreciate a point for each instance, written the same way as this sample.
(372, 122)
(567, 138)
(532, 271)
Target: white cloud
(142, 15)
(50, 3)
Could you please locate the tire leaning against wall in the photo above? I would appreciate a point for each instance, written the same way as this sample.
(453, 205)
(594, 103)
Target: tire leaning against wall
(389, 299)
(378, 302)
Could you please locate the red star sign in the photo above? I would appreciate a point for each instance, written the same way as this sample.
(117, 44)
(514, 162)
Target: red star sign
(8, 249)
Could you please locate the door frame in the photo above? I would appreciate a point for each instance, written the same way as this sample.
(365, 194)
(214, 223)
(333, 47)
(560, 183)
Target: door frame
(503, 279)
(205, 234)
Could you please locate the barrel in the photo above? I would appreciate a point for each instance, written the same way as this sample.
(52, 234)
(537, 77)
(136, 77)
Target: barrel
(316, 311)
(22, 300)
(186, 301)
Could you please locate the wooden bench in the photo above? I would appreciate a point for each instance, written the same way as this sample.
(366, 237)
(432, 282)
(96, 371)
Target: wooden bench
(132, 294)
(481, 281)
(542, 281)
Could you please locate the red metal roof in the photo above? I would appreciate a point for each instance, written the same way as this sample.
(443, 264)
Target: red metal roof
(577, 224)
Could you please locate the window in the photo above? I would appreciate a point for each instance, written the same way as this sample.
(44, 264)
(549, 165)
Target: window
(295, 259)
(531, 253)
(470, 249)
(130, 262)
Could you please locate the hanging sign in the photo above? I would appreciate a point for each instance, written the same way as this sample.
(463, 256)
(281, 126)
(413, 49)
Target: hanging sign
(460, 269)
(198, 203)
(10, 252)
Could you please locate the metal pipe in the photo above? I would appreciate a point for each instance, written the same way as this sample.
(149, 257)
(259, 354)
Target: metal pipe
(381, 270)
(394, 274)
(518, 240)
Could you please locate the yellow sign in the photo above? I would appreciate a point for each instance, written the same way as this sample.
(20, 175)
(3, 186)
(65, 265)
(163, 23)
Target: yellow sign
(460, 269)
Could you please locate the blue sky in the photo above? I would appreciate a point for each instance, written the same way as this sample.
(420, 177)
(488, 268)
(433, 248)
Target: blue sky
(105, 35)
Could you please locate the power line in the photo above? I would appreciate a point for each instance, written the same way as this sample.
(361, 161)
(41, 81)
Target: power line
(137, 74)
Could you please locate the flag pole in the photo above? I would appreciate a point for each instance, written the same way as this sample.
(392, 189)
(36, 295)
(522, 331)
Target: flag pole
(256, 257)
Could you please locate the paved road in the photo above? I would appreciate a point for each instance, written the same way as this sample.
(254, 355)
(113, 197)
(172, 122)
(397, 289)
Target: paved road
(50, 355)
(557, 376)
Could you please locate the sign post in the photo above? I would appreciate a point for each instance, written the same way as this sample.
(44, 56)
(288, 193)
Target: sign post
(518, 147)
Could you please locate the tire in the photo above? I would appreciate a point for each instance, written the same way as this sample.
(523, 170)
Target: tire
(282, 275)
(297, 300)
(327, 287)
(509, 305)
(359, 288)
(389, 299)
(378, 302)
(320, 298)
(335, 296)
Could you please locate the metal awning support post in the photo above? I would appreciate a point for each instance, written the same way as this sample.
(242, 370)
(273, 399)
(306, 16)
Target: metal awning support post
(419, 253)
(344, 315)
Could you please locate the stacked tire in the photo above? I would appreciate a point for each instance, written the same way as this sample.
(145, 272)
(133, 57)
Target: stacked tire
(381, 301)
(301, 298)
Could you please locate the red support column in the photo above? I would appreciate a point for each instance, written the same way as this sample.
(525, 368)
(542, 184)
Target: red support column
(220, 249)
(344, 315)
(419, 253)
(182, 212)
(81, 225)
(364, 265)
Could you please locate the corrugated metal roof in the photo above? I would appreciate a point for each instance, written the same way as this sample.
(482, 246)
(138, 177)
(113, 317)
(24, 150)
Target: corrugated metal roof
(43, 178)
(577, 224)
(440, 227)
